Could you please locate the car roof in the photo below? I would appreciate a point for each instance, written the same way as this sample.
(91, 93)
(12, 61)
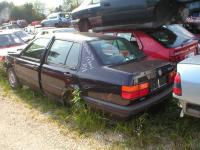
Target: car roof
(83, 36)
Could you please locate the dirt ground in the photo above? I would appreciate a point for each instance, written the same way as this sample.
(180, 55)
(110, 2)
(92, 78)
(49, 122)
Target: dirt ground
(22, 128)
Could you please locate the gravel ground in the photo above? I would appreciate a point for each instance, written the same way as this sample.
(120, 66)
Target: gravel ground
(22, 128)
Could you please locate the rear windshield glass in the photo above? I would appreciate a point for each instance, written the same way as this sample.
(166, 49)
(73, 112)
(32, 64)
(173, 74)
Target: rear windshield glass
(116, 51)
(9, 40)
(168, 37)
(164, 36)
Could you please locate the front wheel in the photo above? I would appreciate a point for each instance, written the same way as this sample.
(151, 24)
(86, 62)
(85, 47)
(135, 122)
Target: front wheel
(12, 78)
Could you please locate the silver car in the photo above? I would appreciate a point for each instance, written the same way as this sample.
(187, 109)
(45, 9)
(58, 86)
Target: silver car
(187, 86)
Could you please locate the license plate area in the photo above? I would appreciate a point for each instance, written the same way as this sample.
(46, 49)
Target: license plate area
(158, 83)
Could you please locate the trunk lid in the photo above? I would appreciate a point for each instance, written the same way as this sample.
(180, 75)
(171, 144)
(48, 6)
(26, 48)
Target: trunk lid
(141, 66)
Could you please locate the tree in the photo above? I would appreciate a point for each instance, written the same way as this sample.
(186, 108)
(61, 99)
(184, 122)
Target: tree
(5, 9)
(69, 5)
(26, 12)
(39, 7)
(58, 9)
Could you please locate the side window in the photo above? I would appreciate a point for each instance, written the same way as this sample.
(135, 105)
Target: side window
(58, 52)
(121, 45)
(36, 48)
(73, 57)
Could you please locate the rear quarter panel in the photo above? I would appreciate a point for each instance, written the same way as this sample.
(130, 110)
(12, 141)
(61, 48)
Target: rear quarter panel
(190, 82)
(101, 82)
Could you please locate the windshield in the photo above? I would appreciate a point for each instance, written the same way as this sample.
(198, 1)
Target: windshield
(116, 51)
(21, 34)
(9, 40)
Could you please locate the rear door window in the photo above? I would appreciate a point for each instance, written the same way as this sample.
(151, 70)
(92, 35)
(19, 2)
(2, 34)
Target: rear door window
(58, 52)
(73, 57)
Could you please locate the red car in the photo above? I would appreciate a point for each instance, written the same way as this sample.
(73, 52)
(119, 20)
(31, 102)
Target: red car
(167, 43)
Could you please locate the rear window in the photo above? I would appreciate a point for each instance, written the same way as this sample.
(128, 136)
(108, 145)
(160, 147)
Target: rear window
(116, 51)
(168, 36)
(164, 36)
(9, 40)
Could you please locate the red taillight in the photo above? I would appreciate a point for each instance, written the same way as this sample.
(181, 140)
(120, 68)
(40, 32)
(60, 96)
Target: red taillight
(171, 77)
(135, 92)
(177, 85)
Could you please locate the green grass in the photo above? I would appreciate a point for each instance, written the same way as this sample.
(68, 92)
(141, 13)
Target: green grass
(162, 130)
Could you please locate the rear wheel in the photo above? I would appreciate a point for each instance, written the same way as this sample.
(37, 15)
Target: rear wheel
(165, 12)
(83, 25)
(56, 25)
(12, 78)
(70, 94)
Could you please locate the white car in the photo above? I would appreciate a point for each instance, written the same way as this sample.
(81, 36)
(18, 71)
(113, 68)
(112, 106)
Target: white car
(9, 42)
(23, 35)
(187, 86)
(52, 30)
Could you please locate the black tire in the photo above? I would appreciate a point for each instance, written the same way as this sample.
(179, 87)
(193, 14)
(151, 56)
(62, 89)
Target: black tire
(165, 12)
(56, 25)
(12, 78)
(69, 96)
(84, 25)
(160, 107)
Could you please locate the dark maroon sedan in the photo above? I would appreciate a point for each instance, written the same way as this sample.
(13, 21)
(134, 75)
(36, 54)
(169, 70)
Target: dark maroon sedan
(111, 74)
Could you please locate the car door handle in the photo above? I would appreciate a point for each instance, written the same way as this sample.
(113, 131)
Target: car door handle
(107, 4)
(68, 75)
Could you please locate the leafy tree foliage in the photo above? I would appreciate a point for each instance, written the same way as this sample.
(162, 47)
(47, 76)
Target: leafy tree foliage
(26, 12)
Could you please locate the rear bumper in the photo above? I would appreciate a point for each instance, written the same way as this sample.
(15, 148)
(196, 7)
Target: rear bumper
(127, 111)
(189, 108)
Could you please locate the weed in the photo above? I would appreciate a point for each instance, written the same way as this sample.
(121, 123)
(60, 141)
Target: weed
(164, 130)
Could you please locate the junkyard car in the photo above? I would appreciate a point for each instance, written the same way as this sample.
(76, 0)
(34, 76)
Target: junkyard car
(57, 20)
(111, 74)
(9, 42)
(23, 35)
(45, 31)
(187, 85)
(151, 13)
(171, 42)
